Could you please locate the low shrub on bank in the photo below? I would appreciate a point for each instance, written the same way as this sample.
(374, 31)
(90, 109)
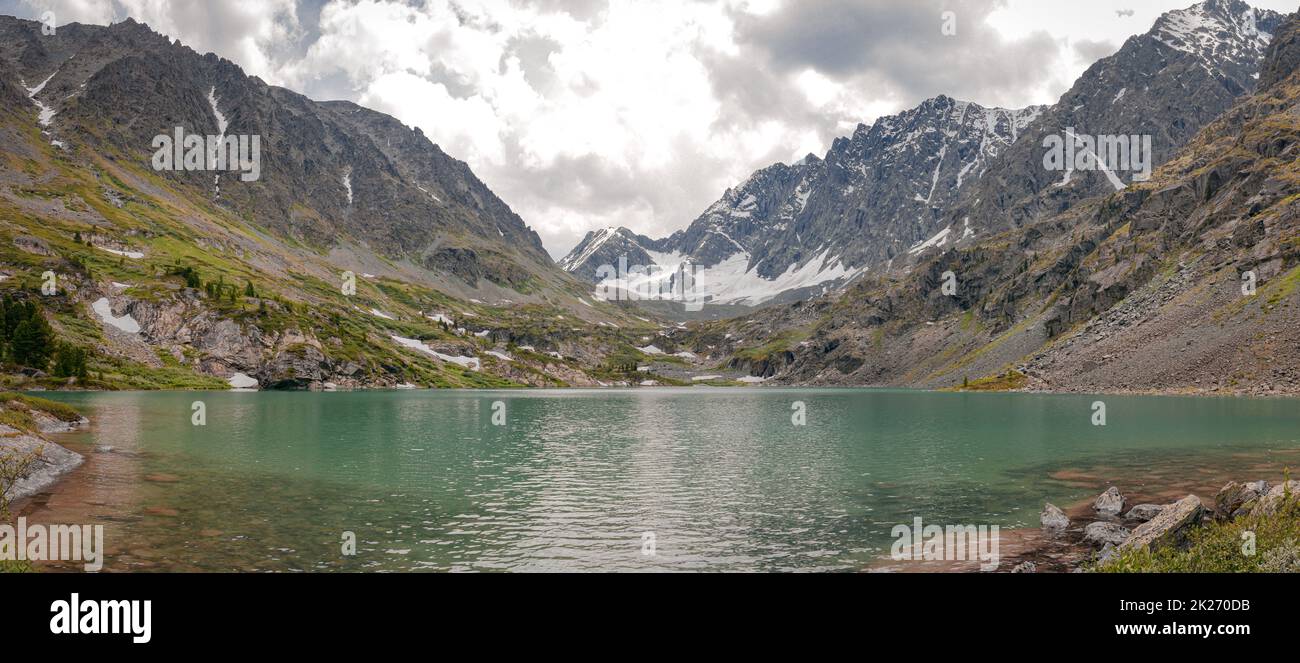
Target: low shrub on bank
(1255, 543)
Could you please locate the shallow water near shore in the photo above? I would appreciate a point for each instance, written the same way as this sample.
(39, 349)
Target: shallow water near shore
(574, 479)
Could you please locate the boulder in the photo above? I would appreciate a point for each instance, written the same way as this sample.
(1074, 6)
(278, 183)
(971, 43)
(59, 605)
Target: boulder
(1052, 518)
(1144, 512)
(1110, 502)
(52, 462)
(1025, 567)
(1170, 528)
(1101, 533)
(1233, 498)
(1270, 503)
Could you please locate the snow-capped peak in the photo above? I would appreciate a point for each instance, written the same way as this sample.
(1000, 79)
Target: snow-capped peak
(1216, 30)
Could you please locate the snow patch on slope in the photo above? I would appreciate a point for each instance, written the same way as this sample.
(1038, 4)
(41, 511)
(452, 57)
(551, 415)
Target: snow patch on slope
(733, 281)
(242, 382)
(104, 310)
(471, 363)
(46, 113)
(939, 239)
(222, 123)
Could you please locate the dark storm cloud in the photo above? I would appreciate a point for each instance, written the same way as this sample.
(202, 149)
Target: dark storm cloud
(901, 47)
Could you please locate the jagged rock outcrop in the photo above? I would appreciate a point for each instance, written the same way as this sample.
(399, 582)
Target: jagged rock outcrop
(1233, 499)
(791, 230)
(1168, 83)
(949, 171)
(1170, 528)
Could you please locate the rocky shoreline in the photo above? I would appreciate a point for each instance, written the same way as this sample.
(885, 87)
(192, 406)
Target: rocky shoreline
(1096, 536)
(53, 461)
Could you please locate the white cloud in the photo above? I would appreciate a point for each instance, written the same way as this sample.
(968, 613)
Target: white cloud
(248, 32)
(587, 113)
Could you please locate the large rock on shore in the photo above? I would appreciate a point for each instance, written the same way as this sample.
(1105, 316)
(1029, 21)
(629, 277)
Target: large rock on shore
(1234, 498)
(54, 461)
(1109, 503)
(1100, 533)
(1170, 528)
(1144, 512)
(1052, 518)
(1271, 503)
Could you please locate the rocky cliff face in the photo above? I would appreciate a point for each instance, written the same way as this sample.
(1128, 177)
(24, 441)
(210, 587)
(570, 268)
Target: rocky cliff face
(331, 173)
(360, 256)
(796, 229)
(605, 247)
(949, 171)
(1185, 282)
(1168, 83)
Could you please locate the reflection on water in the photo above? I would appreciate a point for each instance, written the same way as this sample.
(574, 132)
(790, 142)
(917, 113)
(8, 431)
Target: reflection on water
(722, 477)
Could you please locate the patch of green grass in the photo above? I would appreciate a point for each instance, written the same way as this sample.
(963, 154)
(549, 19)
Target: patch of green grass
(1009, 381)
(1220, 548)
(1283, 287)
(17, 419)
(60, 411)
(783, 342)
(113, 374)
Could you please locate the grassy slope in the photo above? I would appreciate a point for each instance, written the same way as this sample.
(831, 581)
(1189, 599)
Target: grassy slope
(173, 225)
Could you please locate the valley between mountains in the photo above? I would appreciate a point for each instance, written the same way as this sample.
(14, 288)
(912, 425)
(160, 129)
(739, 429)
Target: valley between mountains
(930, 249)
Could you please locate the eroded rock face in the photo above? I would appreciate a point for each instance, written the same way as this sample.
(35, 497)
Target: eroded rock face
(1109, 503)
(289, 359)
(1052, 518)
(1101, 533)
(1170, 528)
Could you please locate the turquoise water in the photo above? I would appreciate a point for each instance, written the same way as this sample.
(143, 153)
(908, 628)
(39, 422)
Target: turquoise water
(572, 481)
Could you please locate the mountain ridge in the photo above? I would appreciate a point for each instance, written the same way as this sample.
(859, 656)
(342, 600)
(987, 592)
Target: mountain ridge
(1186, 283)
(1187, 83)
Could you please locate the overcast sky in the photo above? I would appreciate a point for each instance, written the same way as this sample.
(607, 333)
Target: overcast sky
(589, 113)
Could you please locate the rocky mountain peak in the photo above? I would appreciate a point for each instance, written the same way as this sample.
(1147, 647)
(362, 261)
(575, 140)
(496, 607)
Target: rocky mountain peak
(948, 170)
(791, 230)
(332, 174)
(1166, 84)
(1283, 57)
(1217, 30)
